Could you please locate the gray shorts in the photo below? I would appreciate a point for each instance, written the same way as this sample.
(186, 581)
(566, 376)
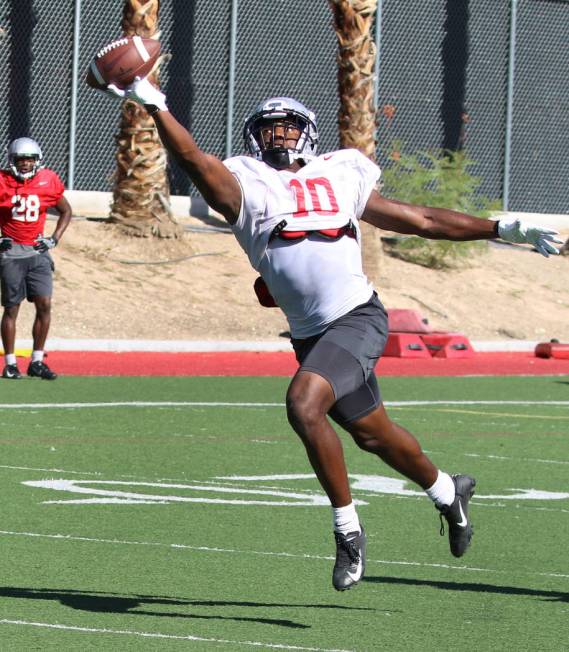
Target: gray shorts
(345, 354)
(25, 278)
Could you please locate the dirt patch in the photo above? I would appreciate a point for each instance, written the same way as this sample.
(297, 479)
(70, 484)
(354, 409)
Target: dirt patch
(109, 286)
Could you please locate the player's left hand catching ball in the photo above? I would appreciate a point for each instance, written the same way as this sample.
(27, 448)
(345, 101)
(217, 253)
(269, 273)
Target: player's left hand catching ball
(44, 244)
(514, 230)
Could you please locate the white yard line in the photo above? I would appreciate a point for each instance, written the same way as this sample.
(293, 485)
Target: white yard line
(189, 637)
(263, 553)
(159, 404)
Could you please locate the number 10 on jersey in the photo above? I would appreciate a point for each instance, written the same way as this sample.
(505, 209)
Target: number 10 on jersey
(313, 191)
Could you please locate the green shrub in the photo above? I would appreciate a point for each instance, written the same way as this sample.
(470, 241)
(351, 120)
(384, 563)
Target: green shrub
(442, 180)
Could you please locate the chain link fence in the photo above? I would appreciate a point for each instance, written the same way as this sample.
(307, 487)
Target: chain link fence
(483, 75)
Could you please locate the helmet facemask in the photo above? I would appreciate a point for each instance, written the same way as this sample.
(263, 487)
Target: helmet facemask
(24, 148)
(268, 133)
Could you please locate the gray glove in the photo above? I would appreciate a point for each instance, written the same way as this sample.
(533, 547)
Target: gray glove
(5, 244)
(43, 244)
(513, 230)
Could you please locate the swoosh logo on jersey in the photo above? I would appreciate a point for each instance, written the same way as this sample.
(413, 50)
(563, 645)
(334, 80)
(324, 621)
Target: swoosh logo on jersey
(463, 522)
(327, 156)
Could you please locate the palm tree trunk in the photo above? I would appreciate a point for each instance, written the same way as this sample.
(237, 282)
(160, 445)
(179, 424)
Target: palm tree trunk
(357, 115)
(141, 194)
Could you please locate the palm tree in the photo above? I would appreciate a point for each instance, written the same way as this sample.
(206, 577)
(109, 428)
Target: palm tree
(141, 195)
(357, 115)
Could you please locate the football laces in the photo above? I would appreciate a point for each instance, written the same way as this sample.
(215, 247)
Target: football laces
(111, 46)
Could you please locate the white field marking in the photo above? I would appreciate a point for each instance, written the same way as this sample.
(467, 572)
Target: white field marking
(379, 484)
(263, 553)
(515, 459)
(189, 637)
(159, 404)
(502, 415)
(117, 496)
(111, 491)
(374, 484)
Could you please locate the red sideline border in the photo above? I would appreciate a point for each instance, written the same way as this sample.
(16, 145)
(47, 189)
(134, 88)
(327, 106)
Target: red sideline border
(261, 363)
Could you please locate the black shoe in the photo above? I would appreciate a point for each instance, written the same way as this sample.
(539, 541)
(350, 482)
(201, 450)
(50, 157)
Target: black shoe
(459, 527)
(39, 369)
(350, 559)
(11, 371)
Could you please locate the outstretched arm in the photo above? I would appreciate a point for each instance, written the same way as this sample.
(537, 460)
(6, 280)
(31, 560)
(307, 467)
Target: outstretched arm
(442, 223)
(433, 223)
(216, 184)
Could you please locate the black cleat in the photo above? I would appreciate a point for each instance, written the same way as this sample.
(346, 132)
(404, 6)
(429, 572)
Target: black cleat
(39, 369)
(11, 371)
(459, 526)
(350, 559)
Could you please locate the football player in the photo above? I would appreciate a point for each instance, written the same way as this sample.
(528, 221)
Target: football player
(27, 190)
(296, 214)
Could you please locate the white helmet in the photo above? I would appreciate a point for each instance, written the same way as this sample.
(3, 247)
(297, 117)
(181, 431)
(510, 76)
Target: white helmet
(277, 109)
(24, 148)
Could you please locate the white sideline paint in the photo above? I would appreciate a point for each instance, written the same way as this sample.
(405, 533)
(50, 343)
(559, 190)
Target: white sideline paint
(160, 404)
(189, 637)
(196, 346)
(264, 553)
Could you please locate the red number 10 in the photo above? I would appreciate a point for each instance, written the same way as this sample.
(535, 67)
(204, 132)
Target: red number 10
(311, 185)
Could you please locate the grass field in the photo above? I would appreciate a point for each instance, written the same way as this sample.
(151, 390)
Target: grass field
(181, 514)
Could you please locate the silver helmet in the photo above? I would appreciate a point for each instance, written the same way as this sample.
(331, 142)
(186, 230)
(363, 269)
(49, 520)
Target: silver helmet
(24, 148)
(289, 111)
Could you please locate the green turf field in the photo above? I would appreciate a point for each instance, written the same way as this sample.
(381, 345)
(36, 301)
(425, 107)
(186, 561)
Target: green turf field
(181, 514)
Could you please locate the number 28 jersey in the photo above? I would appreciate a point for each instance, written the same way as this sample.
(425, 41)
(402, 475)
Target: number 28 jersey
(23, 204)
(314, 280)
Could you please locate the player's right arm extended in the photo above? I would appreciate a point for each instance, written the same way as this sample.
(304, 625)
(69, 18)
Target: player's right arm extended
(216, 184)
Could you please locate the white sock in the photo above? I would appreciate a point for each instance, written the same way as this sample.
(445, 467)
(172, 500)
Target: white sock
(346, 519)
(37, 355)
(442, 492)
(10, 358)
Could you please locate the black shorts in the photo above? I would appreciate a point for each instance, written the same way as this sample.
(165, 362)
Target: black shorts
(345, 354)
(26, 278)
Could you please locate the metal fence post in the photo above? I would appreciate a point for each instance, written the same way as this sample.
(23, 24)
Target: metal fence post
(378, 19)
(74, 82)
(510, 105)
(231, 79)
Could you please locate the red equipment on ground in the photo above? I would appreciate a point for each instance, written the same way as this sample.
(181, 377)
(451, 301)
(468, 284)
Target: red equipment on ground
(410, 336)
(553, 349)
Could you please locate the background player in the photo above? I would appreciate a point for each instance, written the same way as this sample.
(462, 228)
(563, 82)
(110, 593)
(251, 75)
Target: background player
(296, 216)
(27, 190)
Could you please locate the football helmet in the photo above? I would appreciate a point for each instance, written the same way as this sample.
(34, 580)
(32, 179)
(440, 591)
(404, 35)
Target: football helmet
(275, 111)
(24, 148)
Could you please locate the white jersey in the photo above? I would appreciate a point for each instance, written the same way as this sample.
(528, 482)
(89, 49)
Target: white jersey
(313, 280)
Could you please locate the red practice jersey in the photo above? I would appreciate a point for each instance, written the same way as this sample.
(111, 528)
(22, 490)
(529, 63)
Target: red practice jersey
(24, 204)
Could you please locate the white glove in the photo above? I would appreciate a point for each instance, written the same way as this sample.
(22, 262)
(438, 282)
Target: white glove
(143, 92)
(513, 230)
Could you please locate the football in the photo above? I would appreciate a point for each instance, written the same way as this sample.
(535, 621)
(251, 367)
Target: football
(122, 60)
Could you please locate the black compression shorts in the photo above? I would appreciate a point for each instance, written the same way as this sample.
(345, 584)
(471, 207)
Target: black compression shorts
(345, 354)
